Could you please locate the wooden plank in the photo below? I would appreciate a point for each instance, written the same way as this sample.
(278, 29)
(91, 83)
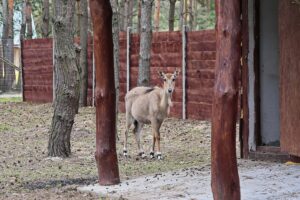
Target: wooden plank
(289, 33)
(244, 122)
(224, 172)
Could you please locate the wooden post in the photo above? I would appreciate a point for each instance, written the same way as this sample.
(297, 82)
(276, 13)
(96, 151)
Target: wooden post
(105, 155)
(224, 172)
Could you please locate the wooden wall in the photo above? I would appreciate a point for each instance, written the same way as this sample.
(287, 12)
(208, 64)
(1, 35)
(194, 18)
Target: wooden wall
(166, 55)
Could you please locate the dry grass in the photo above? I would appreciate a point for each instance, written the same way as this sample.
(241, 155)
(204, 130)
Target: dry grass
(27, 173)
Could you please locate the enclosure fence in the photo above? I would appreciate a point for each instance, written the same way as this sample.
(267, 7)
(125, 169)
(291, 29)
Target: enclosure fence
(10, 68)
(192, 53)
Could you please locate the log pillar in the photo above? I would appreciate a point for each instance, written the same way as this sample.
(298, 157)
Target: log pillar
(224, 172)
(106, 156)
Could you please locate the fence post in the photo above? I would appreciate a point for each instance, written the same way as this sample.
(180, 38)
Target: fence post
(128, 58)
(184, 44)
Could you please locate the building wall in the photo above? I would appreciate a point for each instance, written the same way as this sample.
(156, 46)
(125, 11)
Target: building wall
(166, 55)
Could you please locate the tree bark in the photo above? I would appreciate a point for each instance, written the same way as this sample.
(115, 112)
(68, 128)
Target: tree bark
(46, 17)
(23, 23)
(145, 43)
(130, 13)
(156, 15)
(172, 15)
(106, 155)
(66, 79)
(128, 10)
(181, 13)
(122, 15)
(29, 19)
(8, 44)
(224, 172)
(83, 52)
(4, 40)
(191, 15)
(139, 17)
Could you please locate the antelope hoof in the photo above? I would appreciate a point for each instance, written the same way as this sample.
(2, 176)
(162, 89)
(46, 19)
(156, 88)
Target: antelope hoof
(151, 154)
(142, 154)
(159, 156)
(125, 153)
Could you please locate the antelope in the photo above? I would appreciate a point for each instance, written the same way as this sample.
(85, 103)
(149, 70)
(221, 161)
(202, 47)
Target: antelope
(149, 105)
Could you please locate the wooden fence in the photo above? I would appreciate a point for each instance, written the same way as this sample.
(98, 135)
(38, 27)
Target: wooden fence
(166, 55)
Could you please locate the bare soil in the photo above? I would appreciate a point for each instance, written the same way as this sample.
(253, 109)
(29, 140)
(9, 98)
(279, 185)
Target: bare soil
(27, 173)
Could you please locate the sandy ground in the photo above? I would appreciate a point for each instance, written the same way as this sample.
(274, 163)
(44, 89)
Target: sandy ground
(260, 181)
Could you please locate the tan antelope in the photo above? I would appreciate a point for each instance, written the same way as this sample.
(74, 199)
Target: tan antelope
(149, 105)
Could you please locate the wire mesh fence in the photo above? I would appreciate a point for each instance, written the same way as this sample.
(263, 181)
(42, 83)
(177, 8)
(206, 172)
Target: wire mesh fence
(10, 69)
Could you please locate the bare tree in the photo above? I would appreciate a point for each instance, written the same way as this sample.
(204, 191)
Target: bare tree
(83, 64)
(145, 43)
(46, 17)
(28, 19)
(172, 14)
(8, 43)
(66, 79)
(156, 15)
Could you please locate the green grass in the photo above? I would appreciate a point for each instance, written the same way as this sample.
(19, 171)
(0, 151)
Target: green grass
(10, 99)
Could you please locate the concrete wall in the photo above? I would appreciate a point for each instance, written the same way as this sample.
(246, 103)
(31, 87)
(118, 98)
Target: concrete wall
(269, 72)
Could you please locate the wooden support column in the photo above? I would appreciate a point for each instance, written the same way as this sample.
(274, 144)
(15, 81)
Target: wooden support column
(106, 156)
(225, 178)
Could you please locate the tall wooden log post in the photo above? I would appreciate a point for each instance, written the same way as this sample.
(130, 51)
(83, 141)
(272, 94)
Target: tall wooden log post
(224, 172)
(105, 155)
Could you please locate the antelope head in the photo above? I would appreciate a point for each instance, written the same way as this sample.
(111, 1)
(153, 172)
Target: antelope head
(169, 81)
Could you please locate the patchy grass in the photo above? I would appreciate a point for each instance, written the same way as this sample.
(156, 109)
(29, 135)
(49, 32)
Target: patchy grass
(10, 99)
(27, 173)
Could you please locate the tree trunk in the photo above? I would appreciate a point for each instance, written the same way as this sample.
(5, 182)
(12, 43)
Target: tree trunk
(145, 43)
(181, 13)
(83, 64)
(130, 15)
(128, 10)
(195, 15)
(172, 15)
(23, 23)
(185, 11)
(106, 155)
(191, 15)
(156, 15)
(115, 29)
(66, 79)
(4, 41)
(28, 19)
(8, 44)
(122, 15)
(45, 26)
(139, 17)
(224, 172)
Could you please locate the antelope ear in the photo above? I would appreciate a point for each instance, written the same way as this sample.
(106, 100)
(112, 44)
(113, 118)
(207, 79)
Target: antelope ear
(161, 74)
(176, 73)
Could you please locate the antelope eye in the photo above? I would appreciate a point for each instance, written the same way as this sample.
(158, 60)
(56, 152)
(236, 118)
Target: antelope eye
(173, 79)
(165, 79)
